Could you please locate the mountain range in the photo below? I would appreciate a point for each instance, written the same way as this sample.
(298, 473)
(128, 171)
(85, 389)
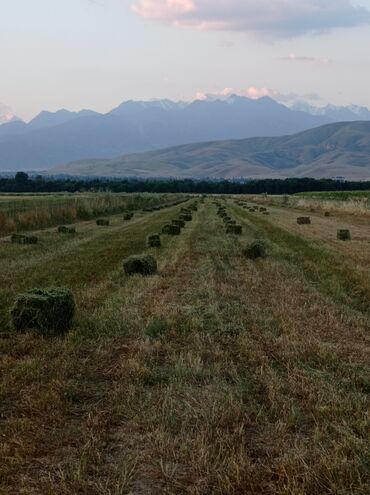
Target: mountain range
(332, 150)
(137, 126)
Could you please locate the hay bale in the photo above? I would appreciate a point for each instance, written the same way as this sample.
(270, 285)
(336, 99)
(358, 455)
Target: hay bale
(327, 214)
(343, 235)
(50, 311)
(129, 215)
(234, 229)
(303, 220)
(153, 240)
(187, 217)
(103, 222)
(266, 213)
(23, 239)
(62, 229)
(144, 264)
(254, 250)
(179, 223)
(262, 209)
(171, 229)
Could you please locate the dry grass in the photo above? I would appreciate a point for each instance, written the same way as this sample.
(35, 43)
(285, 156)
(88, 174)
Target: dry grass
(217, 376)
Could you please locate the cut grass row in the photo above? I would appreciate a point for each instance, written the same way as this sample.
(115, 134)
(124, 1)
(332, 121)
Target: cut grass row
(218, 376)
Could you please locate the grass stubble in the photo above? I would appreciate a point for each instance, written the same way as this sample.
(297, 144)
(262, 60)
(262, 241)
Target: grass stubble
(219, 375)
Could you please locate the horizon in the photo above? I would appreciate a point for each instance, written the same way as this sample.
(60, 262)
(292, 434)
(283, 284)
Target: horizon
(92, 54)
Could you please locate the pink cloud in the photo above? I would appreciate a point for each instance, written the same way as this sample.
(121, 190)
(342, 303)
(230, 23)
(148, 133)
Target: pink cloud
(292, 57)
(251, 92)
(266, 18)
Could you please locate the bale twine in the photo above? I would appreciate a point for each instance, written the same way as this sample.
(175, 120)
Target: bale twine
(144, 264)
(303, 220)
(344, 235)
(103, 222)
(50, 311)
(153, 240)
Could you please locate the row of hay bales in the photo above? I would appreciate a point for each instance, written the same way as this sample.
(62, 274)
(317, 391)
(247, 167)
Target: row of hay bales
(252, 208)
(231, 226)
(342, 234)
(51, 311)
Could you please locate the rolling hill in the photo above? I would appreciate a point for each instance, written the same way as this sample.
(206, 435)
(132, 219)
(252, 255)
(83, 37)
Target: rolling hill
(341, 149)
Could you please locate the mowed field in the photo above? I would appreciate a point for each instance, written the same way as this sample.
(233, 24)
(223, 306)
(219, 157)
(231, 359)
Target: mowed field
(220, 375)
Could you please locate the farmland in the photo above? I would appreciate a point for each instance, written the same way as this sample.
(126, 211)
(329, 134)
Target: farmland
(217, 375)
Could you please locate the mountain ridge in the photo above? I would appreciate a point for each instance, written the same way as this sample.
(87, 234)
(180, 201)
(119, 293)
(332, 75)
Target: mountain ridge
(340, 149)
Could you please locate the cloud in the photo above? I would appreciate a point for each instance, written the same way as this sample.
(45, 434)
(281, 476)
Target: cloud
(292, 57)
(6, 114)
(262, 18)
(256, 93)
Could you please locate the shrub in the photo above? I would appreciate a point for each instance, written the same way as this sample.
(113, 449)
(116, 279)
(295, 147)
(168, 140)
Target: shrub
(144, 264)
(254, 250)
(153, 240)
(303, 220)
(23, 239)
(344, 235)
(50, 311)
(102, 222)
(62, 229)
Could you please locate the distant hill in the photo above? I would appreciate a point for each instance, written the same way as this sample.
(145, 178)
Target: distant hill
(56, 138)
(341, 149)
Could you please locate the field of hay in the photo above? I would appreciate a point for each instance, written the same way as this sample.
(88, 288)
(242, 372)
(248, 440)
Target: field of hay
(221, 374)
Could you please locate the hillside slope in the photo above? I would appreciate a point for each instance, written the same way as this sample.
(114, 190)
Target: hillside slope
(341, 149)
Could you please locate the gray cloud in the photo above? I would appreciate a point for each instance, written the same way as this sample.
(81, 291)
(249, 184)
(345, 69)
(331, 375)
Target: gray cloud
(262, 18)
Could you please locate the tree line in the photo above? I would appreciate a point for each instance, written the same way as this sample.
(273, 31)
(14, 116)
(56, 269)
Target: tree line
(23, 183)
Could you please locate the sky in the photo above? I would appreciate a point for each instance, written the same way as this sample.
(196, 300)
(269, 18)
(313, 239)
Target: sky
(95, 54)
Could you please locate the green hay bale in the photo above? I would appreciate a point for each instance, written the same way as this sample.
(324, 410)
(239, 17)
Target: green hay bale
(343, 235)
(141, 264)
(303, 220)
(254, 250)
(153, 240)
(327, 214)
(266, 213)
(62, 229)
(50, 311)
(129, 215)
(24, 239)
(234, 229)
(179, 223)
(231, 222)
(187, 217)
(103, 222)
(262, 209)
(171, 229)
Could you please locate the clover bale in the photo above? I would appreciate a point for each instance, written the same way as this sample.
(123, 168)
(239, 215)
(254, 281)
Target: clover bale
(343, 235)
(303, 220)
(254, 250)
(153, 240)
(49, 311)
(23, 239)
(144, 264)
(102, 222)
